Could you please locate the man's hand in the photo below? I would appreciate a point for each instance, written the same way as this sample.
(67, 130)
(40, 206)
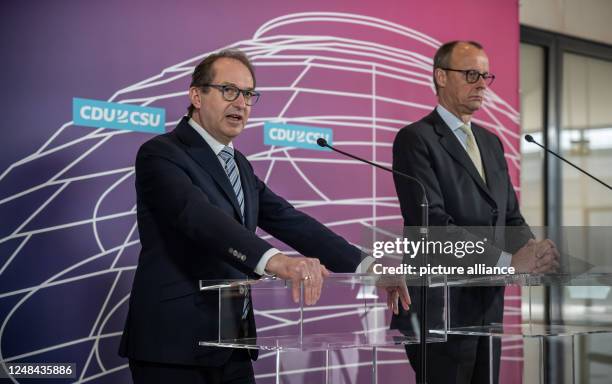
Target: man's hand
(536, 257)
(398, 293)
(298, 269)
(396, 288)
(548, 257)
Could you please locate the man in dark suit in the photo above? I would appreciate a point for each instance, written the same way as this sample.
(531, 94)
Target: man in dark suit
(466, 178)
(199, 203)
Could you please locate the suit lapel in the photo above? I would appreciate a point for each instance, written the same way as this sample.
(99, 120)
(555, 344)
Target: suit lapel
(248, 189)
(200, 151)
(451, 144)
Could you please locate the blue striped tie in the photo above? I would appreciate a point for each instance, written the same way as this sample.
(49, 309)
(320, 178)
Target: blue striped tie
(231, 168)
(227, 155)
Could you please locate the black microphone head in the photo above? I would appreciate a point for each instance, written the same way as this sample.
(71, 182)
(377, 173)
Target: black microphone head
(322, 142)
(529, 138)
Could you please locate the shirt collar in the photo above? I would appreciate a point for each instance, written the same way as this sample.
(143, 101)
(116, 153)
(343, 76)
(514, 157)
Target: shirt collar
(453, 122)
(212, 142)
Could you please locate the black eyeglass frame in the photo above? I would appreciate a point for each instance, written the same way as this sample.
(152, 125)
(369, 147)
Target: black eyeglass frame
(486, 76)
(250, 96)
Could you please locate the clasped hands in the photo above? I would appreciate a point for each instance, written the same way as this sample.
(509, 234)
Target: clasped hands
(536, 257)
(311, 272)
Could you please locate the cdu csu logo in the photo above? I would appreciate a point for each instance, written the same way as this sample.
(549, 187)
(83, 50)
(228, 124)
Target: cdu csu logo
(95, 113)
(299, 136)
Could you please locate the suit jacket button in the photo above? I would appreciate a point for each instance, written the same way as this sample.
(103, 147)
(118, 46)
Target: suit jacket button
(243, 257)
(494, 211)
(241, 290)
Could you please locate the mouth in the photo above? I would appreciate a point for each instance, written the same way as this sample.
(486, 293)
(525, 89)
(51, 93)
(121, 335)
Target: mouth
(234, 117)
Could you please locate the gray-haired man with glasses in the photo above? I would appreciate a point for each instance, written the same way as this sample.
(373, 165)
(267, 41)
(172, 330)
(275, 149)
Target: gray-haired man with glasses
(465, 174)
(199, 203)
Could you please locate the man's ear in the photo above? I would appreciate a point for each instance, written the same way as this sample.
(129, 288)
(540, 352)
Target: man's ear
(440, 75)
(195, 98)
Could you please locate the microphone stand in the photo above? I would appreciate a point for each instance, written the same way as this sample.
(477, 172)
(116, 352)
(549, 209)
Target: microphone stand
(551, 311)
(424, 231)
(530, 139)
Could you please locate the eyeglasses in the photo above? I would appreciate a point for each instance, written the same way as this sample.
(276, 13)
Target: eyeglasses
(472, 75)
(231, 93)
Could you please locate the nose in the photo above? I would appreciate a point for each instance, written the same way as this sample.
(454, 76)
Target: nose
(240, 101)
(481, 83)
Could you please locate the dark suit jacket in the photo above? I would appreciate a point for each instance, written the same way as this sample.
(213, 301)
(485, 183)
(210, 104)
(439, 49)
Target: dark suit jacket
(458, 198)
(190, 229)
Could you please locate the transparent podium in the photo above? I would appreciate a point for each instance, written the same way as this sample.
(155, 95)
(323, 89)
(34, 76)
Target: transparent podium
(593, 318)
(352, 313)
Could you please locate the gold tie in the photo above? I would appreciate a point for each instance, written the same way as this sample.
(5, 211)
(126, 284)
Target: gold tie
(473, 151)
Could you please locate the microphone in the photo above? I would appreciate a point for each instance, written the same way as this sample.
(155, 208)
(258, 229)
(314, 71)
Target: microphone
(323, 143)
(530, 139)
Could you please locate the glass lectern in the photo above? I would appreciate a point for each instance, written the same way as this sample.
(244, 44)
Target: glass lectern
(352, 313)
